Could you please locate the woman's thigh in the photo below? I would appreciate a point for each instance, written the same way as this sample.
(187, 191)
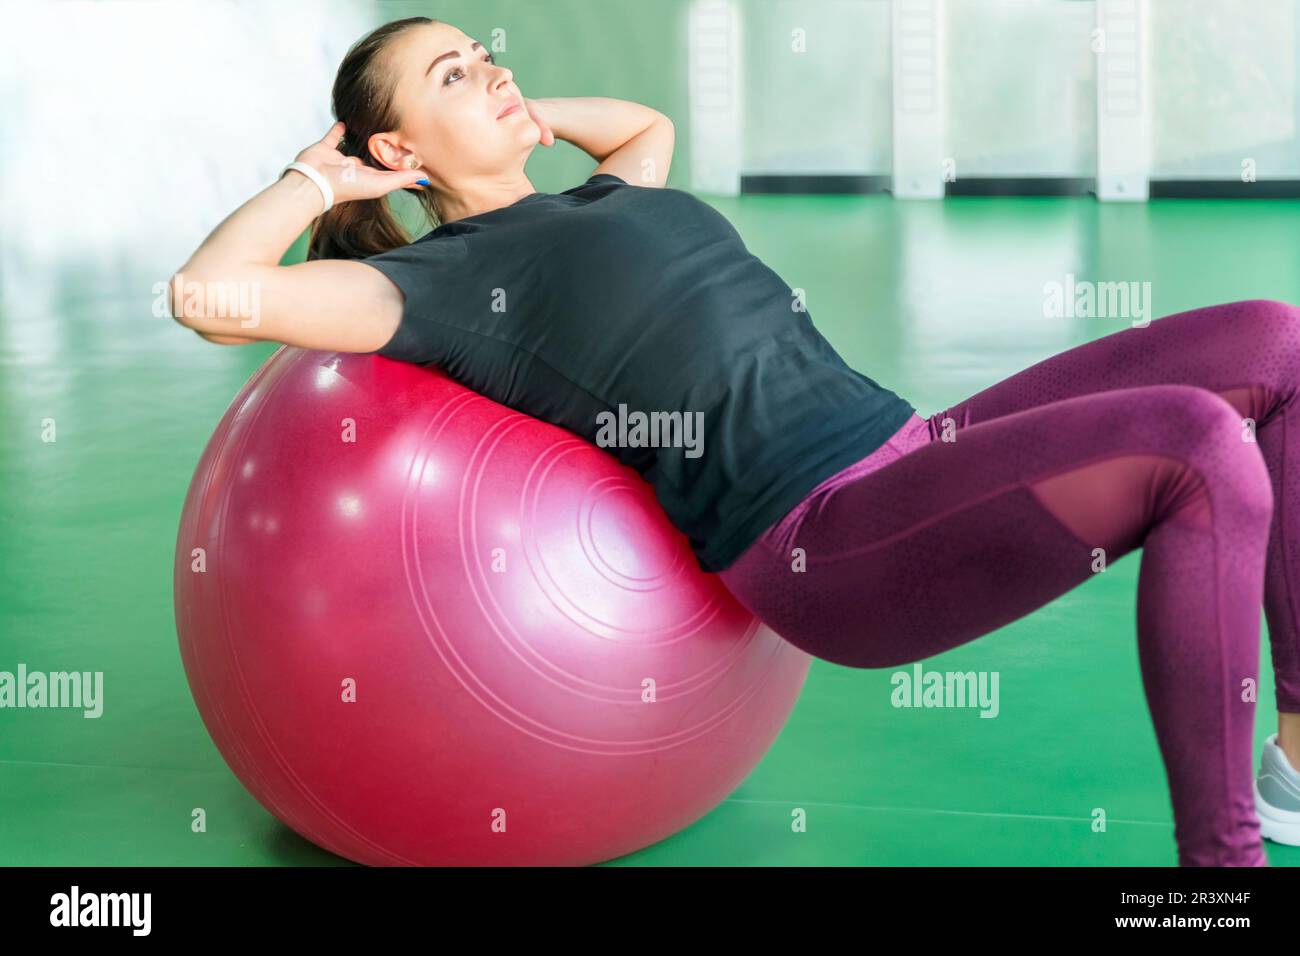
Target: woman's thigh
(1248, 352)
(954, 539)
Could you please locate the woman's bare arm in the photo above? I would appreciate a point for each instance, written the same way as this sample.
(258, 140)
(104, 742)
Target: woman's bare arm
(226, 339)
(233, 289)
(631, 141)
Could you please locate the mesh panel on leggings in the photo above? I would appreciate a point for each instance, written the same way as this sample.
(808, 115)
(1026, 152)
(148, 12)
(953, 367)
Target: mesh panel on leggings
(1184, 430)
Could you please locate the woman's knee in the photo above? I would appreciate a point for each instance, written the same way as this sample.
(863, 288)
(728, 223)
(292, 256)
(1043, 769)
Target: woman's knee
(1216, 446)
(1267, 333)
(1273, 315)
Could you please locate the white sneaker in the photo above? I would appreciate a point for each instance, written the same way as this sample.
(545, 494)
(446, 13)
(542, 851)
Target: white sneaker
(1277, 796)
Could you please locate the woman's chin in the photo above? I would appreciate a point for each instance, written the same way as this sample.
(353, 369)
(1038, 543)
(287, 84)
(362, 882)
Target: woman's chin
(529, 132)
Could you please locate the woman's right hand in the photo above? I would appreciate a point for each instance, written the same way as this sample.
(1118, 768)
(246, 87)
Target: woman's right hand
(348, 176)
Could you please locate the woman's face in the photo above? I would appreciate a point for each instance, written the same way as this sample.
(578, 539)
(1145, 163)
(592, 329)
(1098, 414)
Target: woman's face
(450, 97)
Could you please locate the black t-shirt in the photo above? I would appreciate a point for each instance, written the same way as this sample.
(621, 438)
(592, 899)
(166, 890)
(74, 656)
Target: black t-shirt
(600, 306)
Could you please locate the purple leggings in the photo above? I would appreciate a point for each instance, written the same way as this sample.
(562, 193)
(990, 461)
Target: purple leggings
(1181, 437)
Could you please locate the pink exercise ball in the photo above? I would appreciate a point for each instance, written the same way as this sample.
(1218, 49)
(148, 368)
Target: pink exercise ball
(425, 629)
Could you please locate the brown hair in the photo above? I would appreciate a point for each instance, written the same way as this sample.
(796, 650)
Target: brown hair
(363, 100)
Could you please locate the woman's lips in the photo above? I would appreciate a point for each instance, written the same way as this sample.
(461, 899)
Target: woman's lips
(512, 108)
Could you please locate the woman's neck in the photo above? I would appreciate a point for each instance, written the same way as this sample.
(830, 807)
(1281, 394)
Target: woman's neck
(482, 197)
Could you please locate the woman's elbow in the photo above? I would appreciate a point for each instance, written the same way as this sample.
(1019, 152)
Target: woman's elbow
(211, 306)
(226, 339)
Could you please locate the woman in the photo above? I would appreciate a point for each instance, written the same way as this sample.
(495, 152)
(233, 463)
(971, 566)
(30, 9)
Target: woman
(860, 531)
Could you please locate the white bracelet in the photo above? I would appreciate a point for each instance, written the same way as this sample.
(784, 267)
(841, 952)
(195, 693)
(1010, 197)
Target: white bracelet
(315, 176)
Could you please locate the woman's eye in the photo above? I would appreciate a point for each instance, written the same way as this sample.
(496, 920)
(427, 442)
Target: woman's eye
(490, 58)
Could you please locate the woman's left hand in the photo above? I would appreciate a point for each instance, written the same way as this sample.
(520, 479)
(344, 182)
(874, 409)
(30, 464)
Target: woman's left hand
(534, 111)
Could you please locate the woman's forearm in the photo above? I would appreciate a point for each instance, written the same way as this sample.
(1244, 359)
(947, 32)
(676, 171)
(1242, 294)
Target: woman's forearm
(260, 231)
(598, 125)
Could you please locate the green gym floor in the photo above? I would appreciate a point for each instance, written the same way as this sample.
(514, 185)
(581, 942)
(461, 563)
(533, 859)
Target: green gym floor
(935, 300)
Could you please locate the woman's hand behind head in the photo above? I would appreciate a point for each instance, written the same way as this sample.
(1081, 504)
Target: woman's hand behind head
(348, 176)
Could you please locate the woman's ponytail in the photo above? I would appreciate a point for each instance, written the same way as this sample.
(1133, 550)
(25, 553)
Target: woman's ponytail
(356, 229)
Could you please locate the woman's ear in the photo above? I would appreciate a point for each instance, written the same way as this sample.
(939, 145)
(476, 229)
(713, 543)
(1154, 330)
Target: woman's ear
(390, 155)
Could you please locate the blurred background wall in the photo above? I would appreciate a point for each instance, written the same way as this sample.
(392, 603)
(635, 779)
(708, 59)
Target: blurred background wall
(129, 129)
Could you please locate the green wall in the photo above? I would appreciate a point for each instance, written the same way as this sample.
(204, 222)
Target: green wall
(627, 49)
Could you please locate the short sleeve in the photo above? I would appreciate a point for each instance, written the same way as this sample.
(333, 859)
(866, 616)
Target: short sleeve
(598, 179)
(422, 271)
